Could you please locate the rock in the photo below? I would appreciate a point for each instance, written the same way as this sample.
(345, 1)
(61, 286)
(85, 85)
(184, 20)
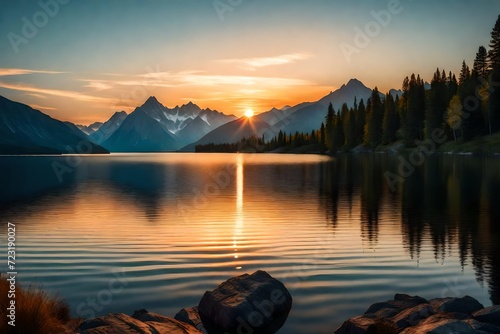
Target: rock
(143, 322)
(401, 302)
(407, 298)
(437, 302)
(443, 326)
(367, 324)
(483, 326)
(357, 325)
(412, 316)
(490, 314)
(386, 313)
(192, 317)
(114, 323)
(465, 304)
(254, 303)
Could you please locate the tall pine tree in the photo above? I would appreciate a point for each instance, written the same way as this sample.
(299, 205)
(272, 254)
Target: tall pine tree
(391, 120)
(414, 109)
(437, 104)
(329, 127)
(481, 63)
(494, 98)
(360, 122)
(375, 116)
(494, 54)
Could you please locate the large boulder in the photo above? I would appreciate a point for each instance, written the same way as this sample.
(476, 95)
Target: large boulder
(143, 322)
(255, 303)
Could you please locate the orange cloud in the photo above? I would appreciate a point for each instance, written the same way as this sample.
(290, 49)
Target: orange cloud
(19, 71)
(54, 92)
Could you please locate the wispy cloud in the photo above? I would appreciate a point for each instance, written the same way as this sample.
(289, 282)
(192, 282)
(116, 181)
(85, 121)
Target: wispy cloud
(98, 85)
(257, 62)
(197, 78)
(54, 92)
(38, 96)
(20, 71)
(38, 107)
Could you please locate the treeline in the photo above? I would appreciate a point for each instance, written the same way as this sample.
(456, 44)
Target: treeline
(252, 144)
(463, 108)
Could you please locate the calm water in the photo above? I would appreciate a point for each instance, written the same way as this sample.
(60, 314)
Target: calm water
(172, 226)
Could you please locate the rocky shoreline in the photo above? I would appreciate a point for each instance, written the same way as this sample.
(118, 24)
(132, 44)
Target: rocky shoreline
(415, 315)
(258, 303)
(255, 303)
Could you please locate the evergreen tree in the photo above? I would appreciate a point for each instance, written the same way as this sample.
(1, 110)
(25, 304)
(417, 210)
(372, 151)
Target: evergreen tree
(329, 121)
(414, 97)
(322, 139)
(494, 54)
(481, 63)
(464, 73)
(360, 122)
(452, 86)
(350, 129)
(391, 120)
(437, 104)
(375, 115)
(338, 133)
(403, 111)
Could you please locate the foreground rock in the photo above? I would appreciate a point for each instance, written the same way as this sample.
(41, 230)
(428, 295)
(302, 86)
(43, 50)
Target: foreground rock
(142, 322)
(415, 315)
(254, 303)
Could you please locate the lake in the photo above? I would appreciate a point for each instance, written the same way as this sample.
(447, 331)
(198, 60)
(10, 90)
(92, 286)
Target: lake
(120, 232)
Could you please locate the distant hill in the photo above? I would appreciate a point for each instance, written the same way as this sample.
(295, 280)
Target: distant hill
(24, 130)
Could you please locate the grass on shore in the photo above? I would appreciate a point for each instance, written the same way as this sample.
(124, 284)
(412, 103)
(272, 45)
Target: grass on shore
(36, 311)
(485, 145)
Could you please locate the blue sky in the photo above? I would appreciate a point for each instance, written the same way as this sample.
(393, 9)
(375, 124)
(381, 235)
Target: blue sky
(94, 57)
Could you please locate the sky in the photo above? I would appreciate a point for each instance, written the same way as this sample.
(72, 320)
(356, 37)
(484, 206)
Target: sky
(81, 61)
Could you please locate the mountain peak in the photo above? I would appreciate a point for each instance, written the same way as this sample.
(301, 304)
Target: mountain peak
(354, 83)
(152, 100)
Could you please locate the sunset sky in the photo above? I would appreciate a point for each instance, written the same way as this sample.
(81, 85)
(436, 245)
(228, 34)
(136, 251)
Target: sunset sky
(87, 59)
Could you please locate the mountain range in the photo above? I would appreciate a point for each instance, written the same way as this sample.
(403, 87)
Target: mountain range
(153, 127)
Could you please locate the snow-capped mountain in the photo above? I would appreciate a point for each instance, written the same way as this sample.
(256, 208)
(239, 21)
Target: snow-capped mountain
(154, 127)
(25, 130)
(140, 132)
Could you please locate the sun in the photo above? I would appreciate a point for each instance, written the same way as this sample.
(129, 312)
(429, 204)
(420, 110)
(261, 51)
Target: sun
(249, 113)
